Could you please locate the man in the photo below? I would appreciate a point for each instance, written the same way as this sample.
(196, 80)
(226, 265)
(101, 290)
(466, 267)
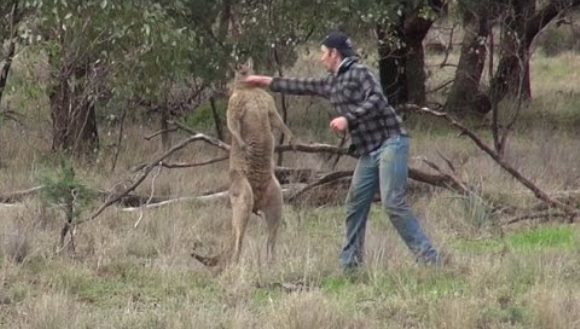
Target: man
(377, 137)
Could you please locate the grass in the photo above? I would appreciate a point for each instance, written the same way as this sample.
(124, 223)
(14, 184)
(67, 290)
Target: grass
(124, 276)
(541, 239)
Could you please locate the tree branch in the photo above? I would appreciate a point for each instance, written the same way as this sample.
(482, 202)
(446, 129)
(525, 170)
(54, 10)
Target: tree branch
(323, 180)
(496, 157)
(146, 170)
(192, 164)
(19, 195)
(217, 196)
(208, 139)
(540, 215)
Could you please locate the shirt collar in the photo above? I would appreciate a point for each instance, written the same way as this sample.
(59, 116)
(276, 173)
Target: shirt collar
(345, 64)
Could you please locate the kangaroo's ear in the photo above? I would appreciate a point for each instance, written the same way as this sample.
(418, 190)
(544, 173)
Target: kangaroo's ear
(249, 64)
(232, 68)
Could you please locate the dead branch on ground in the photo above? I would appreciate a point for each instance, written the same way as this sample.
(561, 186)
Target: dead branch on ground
(287, 190)
(18, 196)
(146, 170)
(539, 215)
(540, 194)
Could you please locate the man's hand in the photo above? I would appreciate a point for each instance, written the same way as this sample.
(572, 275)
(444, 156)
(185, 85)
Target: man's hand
(339, 125)
(258, 80)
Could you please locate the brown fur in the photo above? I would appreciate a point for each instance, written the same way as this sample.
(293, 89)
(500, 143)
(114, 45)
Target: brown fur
(251, 116)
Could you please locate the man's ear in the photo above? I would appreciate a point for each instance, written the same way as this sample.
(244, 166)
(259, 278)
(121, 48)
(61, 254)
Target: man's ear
(335, 52)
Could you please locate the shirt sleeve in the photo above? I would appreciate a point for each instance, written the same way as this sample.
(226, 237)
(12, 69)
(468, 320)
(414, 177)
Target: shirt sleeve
(373, 97)
(305, 86)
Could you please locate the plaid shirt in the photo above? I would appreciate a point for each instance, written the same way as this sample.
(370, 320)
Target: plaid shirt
(357, 95)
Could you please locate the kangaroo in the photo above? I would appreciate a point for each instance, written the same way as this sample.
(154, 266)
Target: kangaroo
(251, 116)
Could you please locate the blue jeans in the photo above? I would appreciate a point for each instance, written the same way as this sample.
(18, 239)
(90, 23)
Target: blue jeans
(385, 169)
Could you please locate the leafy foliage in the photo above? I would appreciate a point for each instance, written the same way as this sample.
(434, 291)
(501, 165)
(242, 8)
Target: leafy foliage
(61, 188)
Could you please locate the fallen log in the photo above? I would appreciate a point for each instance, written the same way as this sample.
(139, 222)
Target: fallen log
(218, 196)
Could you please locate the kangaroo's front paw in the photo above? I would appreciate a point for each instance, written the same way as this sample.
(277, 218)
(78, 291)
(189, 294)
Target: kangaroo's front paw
(244, 147)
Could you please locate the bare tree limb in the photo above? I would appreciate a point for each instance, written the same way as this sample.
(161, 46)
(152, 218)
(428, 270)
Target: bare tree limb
(208, 139)
(415, 174)
(447, 161)
(146, 171)
(141, 214)
(323, 180)
(497, 158)
(314, 148)
(457, 183)
(160, 132)
(338, 156)
(441, 86)
(217, 196)
(19, 195)
(540, 215)
(449, 47)
(192, 164)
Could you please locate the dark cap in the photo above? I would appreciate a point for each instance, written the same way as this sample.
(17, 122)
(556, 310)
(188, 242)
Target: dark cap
(341, 42)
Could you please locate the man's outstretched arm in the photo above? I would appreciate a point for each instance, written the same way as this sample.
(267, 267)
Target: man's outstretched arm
(294, 86)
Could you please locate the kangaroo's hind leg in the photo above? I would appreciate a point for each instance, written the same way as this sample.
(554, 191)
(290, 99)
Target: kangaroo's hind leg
(242, 202)
(272, 208)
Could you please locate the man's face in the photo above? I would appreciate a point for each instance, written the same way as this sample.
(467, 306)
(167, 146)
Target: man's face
(330, 58)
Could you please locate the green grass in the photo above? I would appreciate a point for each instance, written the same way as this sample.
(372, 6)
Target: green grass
(513, 315)
(112, 285)
(539, 239)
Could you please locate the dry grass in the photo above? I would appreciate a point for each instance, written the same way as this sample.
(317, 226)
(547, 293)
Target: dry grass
(127, 277)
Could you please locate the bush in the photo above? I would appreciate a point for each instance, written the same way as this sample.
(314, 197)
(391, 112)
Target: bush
(202, 118)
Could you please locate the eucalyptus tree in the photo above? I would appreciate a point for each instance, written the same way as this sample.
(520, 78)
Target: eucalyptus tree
(98, 49)
(518, 22)
(11, 14)
(523, 20)
(467, 94)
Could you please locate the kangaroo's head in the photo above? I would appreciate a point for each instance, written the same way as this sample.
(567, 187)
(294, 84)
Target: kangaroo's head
(242, 70)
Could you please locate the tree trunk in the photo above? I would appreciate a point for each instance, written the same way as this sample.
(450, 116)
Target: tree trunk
(73, 115)
(416, 73)
(15, 18)
(392, 65)
(512, 77)
(402, 63)
(6, 67)
(465, 95)
(521, 26)
(216, 119)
